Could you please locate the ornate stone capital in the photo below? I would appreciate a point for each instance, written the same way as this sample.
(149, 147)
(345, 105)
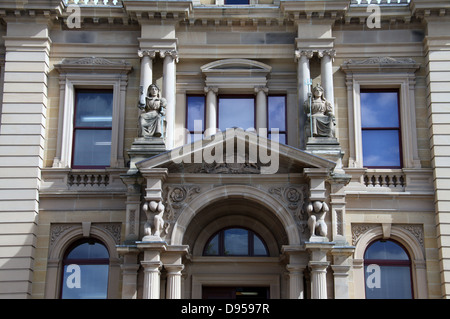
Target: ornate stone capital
(299, 53)
(213, 89)
(331, 53)
(170, 53)
(149, 53)
(262, 88)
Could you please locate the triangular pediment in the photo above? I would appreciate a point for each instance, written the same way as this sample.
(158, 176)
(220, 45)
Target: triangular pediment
(236, 151)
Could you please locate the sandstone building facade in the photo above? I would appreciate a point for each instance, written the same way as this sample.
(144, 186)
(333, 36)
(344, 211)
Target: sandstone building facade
(238, 189)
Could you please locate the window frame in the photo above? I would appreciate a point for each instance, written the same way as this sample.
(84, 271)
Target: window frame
(375, 73)
(398, 129)
(390, 262)
(190, 133)
(91, 73)
(75, 128)
(221, 243)
(285, 131)
(84, 261)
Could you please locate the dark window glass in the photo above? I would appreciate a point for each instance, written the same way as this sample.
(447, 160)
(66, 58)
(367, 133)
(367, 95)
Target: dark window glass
(387, 269)
(235, 242)
(236, 112)
(92, 128)
(195, 117)
(85, 271)
(234, 2)
(276, 116)
(380, 122)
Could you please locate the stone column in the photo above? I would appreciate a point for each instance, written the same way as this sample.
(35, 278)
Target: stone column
(211, 124)
(169, 92)
(303, 77)
(152, 264)
(130, 269)
(261, 110)
(341, 268)
(327, 57)
(147, 57)
(173, 281)
(318, 265)
(296, 288)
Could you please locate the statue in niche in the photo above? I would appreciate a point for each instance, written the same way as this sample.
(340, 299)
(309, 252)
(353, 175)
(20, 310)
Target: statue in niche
(321, 121)
(151, 118)
(317, 211)
(154, 226)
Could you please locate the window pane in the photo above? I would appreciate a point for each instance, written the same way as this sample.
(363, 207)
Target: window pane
(381, 148)
(387, 250)
(259, 249)
(196, 112)
(394, 283)
(88, 251)
(277, 113)
(93, 109)
(236, 242)
(230, 2)
(212, 248)
(236, 112)
(281, 137)
(379, 109)
(92, 148)
(93, 282)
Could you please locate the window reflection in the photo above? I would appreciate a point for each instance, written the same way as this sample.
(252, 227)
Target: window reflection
(387, 269)
(235, 242)
(85, 271)
(236, 112)
(380, 122)
(92, 128)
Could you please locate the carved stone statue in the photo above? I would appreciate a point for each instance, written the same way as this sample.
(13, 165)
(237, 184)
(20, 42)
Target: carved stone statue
(153, 111)
(155, 223)
(320, 115)
(317, 211)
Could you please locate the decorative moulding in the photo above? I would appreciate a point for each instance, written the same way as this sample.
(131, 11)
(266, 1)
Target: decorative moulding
(381, 64)
(93, 65)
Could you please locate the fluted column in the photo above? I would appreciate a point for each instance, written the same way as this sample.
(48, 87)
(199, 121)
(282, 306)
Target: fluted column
(211, 110)
(151, 279)
(173, 281)
(327, 57)
(169, 92)
(318, 279)
(261, 110)
(147, 57)
(296, 287)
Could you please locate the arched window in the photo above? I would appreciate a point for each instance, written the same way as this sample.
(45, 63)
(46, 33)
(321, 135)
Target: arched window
(235, 242)
(387, 269)
(85, 271)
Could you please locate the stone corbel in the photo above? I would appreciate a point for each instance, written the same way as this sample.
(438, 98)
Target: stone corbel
(317, 178)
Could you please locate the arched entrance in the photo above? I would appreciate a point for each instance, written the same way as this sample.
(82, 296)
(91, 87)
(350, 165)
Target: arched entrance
(235, 273)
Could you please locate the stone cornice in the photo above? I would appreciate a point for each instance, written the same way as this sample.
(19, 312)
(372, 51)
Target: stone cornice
(91, 64)
(380, 64)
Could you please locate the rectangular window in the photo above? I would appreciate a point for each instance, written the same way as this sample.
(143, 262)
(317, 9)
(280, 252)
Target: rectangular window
(236, 111)
(195, 117)
(380, 123)
(92, 128)
(276, 116)
(236, 2)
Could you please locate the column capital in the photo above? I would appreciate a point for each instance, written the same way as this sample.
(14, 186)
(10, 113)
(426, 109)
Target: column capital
(150, 53)
(170, 53)
(213, 89)
(261, 88)
(299, 53)
(328, 52)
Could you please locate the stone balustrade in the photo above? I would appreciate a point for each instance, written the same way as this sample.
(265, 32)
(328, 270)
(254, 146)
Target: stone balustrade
(117, 3)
